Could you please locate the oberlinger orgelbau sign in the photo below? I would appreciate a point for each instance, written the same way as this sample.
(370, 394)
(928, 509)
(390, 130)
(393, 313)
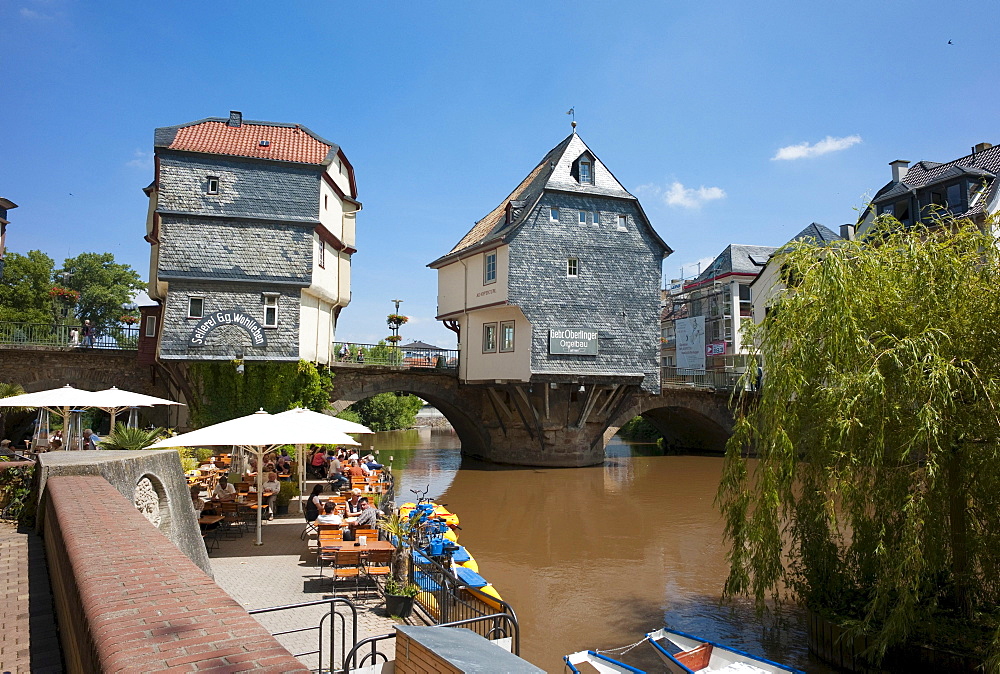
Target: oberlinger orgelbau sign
(582, 342)
(232, 317)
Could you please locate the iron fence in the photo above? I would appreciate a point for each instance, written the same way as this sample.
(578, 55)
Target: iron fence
(711, 379)
(124, 337)
(351, 353)
(332, 623)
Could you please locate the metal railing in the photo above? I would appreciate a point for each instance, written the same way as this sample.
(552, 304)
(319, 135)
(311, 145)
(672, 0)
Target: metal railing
(494, 626)
(395, 356)
(124, 337)
(719, 380)
(327, 626)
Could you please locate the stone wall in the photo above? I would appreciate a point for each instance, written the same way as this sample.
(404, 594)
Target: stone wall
(127, 599)
(617, 290)
(151, 479)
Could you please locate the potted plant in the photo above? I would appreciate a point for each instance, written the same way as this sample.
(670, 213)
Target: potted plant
(289, 490)
(399, 591)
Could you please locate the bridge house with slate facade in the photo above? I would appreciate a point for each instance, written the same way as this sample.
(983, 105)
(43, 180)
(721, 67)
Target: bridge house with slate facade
(252, 227)
(558, 281)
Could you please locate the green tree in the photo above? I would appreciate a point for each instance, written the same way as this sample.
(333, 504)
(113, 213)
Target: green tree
(222, 393)
(105, 286)
(386, 411)
(876, 490)
(6, 391)
(25, 286)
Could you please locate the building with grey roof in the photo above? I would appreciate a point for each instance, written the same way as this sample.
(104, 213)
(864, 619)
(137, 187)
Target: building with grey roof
(251, 227)
(559, 282)
(965, 187)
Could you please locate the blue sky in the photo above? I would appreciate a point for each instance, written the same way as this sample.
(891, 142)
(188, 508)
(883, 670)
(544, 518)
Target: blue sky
(443, 107)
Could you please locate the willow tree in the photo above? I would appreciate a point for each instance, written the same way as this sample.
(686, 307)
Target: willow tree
(875, 490)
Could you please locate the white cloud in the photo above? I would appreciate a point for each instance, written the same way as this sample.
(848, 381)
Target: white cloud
(678, 195)
(32, 14)
(805, 150)
(689, 197)
(142, 160)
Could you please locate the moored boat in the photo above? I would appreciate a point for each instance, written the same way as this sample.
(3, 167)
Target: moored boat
(687, 654)
(597, 662)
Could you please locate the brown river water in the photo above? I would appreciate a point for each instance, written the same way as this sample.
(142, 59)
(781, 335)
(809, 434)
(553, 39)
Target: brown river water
(593, 558)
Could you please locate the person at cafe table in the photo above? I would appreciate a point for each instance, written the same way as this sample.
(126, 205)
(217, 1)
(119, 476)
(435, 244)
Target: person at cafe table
(368, 517)
(354, 502)
(223, 490)
(272, 485)
(330, 515)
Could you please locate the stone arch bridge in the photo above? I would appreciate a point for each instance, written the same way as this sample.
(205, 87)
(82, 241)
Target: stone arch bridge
(541, 424)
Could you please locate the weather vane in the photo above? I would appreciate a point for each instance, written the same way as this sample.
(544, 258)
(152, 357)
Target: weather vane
(572, 113)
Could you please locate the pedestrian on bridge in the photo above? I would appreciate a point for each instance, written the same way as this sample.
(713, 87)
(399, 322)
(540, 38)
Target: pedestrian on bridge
(88, 334)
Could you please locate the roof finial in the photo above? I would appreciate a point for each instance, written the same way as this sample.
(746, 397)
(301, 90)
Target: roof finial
(572, 113)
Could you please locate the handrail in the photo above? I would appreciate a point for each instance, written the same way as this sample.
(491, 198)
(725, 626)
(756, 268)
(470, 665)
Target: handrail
(118, 337)
(720, 380)
(359, 355)
(319, 628)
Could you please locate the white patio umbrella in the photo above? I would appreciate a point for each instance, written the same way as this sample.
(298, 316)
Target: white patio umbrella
(57, 401)
(320, 421)
(114, 401)
(259, 433)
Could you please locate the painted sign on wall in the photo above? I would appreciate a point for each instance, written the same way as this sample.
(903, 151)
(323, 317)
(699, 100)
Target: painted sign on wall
(236, 317)
(691, 343)
(570, 341)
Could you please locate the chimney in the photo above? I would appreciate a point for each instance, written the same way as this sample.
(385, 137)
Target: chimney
(899, 169)
(235, 118)
(981, 147)
(847, 232)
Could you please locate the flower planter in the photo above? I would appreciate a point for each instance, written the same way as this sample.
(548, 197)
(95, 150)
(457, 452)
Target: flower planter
(398, 605)
(282, 509)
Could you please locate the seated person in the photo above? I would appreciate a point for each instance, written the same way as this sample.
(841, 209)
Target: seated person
(336, 476)
(371, 464)
(330, 515)
(224, 491)
(272, 485)
(355, 470)
(317, 464)
(368, 519)
(55, 444)
(196, 500)
(354, 503)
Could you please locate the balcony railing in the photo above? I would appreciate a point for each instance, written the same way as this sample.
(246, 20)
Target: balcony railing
(719, 380)
(125, 337)
(394, 356)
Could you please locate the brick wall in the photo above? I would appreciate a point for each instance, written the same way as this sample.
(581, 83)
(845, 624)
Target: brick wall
(128, 600)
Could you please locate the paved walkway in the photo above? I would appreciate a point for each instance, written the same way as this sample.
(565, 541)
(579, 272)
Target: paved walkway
(283, 571)
(29, 641)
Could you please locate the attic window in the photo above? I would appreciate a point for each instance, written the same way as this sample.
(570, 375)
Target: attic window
(213, 185)
(554, 214)
(622, 223)
(265, 143)
(586, 175)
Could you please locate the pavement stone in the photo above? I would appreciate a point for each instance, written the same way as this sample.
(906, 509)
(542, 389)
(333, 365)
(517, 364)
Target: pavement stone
(283, 571)
(29, 637)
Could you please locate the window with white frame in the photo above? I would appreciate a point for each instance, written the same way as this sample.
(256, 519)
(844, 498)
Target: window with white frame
(489, 337)
(271, 310)
(572, 267)
(212, 186)
(622, 223)
(196, 307)
(506, 336)
(597, 218)
(151, 326)
(490, 267)
(554, 214)
(586, 176)
(583, 217)
(322, 254)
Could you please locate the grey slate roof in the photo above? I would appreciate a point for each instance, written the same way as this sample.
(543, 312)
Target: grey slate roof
(820, 233)
(737, 259)
(553, 172)
(421, 345)
(984, 165)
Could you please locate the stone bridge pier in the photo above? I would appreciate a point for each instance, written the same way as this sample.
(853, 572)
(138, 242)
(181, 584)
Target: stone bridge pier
(554, 424)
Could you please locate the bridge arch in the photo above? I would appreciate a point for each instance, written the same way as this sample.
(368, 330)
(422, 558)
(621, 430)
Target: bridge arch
(351, 385)
(689, 419)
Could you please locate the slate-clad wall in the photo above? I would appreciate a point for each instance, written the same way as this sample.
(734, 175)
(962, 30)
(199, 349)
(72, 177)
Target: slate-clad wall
(247, 188)
(225, 342)
(223, 248)
(617, 290)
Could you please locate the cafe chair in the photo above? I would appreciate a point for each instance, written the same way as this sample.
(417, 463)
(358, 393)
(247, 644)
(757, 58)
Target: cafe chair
(347, 565)
(378, 565)
(371, 534)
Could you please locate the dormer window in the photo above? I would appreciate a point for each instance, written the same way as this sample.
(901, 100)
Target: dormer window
(583, 169)
(213, 185)
(585, 172)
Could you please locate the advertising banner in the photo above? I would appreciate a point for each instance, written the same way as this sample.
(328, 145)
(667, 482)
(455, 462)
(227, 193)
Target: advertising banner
(716, 348)
(573, 341)
(691, 343)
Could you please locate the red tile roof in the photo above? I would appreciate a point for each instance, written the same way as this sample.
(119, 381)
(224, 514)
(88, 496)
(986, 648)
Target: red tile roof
(286, 143)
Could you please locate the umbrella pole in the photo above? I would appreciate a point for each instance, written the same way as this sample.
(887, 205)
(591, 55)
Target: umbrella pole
(301, 477)
(260, 491)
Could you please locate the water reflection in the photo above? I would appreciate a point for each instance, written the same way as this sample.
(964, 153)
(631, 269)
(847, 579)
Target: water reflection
(595, 557)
